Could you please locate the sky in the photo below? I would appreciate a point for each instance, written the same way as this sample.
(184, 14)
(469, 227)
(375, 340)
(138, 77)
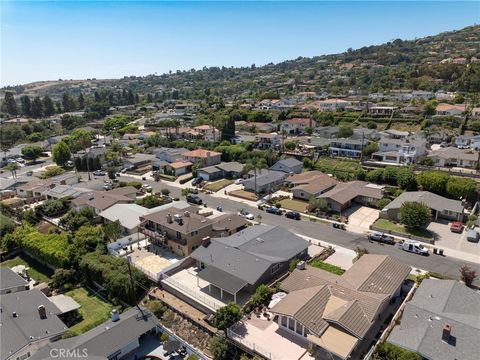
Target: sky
(103, 39)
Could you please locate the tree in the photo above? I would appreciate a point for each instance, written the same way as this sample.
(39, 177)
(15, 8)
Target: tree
(48, 107)
(61, 153)
(406, 179)
(433, 181)
(383, 202)
(9, 103)
(62, 277)
(68, 103)
(165, 191)
(360, 252)
(13, 167)
(227, 315)
(262, 295)
(26, 105)
(344, 132)
(370, 149)
(111, 171)
(415, 214)
(228, 131)
(37, 108)
(255, 164)
(387, 351)
(219, 347)
(112, 230)
(88, 238)
(52, 171)
(468, 275)
(464, 188)
(372, 125)
(32, 152)
(318, 205)
(81, 102)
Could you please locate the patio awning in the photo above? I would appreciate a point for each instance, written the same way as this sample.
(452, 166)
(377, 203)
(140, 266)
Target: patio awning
(228, 282)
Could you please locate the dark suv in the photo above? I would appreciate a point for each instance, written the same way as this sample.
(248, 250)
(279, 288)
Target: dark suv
(194, 199)
(292, 215)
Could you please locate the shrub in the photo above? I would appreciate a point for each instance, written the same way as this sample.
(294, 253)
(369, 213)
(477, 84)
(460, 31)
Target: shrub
(185, 180)
(157, 307)
(165, 191)
(467, 275)
(53, 207)
(415, 215)
(387, 351)
(383, 202)
(293, 264)
(219, 347)
(374, 176)
(462, 188)
(164, 337)
(227, 315)
(327, 267)
(62, 277)
(52, 171)
(433, 181)
(136, 184)
(262, 295)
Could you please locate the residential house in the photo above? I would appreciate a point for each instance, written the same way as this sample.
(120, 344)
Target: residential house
(203, 157)
(118, 338)
(335, 314)
(170, 154)
(63, 191)
(99, 201)
(332, 104)
(441, 207)
(465, 141)
(138, 160)
(420, 94)
(230, 170)
(208, 132)
(186, 107)
(452, 156)
(177, 168)
(29, 322)
(347, 147)
(343, 195)
(297, 125)
(243, 261)
(450, 110)
(310, 183)
(441, 321)
(327, 132)
(34, 189)
(400, 151)
(381, 110)
(266, 181)
(268, 141)
(228, 224)
(288, 165)
(11, 282)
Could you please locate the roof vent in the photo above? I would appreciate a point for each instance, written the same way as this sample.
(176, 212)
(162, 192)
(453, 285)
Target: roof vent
(42, 312)
(91, 196)
(186, 214)
(169, 218)
(206, 241)
(14, 314)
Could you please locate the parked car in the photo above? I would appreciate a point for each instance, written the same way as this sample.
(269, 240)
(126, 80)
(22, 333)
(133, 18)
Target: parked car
(381, 238)
(293, 215)
(472, 235)
(20, 160)
(194, 199)
(193, 190)
(107, 186)
(70, 163)
(414, 247)
(123, 171)
(147, 188)
(245, 214)
(456, 227)
(99, 173)
(274, 210)
(197, 181)
(29, 173)
(239, 181)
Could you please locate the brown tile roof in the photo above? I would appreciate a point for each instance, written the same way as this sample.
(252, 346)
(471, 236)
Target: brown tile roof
(180, 164)
(316, 183)
(125, 190)
(192, 222)
(202, 153)
(345, 192)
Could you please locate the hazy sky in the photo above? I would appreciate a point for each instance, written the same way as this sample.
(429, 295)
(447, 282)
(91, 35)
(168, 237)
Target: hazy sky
(77, 40)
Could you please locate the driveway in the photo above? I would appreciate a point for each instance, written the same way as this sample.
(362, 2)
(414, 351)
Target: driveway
(360, 219)
(446, 239)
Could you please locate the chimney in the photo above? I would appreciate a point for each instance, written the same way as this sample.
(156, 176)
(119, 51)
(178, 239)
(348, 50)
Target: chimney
(14, 314)
(169, 218)
(206, 241)
(114, 315)
(42, 312)
(447, 329)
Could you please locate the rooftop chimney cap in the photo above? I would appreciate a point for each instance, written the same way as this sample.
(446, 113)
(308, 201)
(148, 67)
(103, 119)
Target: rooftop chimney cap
(42, 312)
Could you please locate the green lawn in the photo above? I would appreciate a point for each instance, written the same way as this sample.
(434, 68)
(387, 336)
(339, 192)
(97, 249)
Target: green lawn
(386, 225)
(94, 311)
(344, 168)
(327, 267)
(218, 185)
(37, 271)
(294, 204)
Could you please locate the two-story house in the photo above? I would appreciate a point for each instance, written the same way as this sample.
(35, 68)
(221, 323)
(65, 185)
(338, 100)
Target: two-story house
(203, 157)
(347, 147)
(400, 151)
(268, 141)
(297, 125)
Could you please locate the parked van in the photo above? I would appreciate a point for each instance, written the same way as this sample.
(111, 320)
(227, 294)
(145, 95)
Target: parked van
(414, 247)
(472, 235)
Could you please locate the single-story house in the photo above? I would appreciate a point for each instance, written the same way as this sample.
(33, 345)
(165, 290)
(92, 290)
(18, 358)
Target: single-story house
(117, 338)
(170, 154)
(229, 170)
(335, 314)
(450, 110)
(210, 173)
(288, 165)
(440, 322)
(452, 156)
(99, 201)
(342, 195)
(441, 207)
(11, 282)
(247, 259)
(179, 167)
(63, 191)
(228, 224)
(138, 160)
(266, 180)
(311, 183)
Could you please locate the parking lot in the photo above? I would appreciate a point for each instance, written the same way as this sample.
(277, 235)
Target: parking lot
(444, 238)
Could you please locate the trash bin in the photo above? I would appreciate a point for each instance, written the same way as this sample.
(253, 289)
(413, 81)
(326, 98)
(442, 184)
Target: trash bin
(440, 251)
(435, 250)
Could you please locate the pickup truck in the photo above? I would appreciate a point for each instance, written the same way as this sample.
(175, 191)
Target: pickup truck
(381, 238)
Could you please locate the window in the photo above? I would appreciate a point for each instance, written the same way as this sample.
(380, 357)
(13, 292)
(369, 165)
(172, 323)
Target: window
(179, 247)
(275, 268)
(291, 324)
(179, 235)
(299, 328)
(284, 321)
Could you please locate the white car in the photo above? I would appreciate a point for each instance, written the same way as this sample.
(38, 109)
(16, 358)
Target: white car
(246, 214)
(146, 187)
(238, 181)
(414, 247)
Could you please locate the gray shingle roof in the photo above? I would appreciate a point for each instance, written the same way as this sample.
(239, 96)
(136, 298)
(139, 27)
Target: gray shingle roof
(432, 200)
(435, 304)
(9, 279)
(289, 162)
(266, 177)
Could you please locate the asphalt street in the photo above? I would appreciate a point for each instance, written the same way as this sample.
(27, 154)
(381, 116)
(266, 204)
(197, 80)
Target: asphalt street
(435, 263)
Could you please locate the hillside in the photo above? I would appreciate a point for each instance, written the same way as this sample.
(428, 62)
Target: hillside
(428, 63)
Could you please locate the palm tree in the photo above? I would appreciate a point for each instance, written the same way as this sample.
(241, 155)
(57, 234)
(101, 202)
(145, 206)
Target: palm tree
(13, 167)
(255, 164)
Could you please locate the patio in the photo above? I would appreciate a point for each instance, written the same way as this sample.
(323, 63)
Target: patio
(152, 259)
(188, 283)
(267, 339)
